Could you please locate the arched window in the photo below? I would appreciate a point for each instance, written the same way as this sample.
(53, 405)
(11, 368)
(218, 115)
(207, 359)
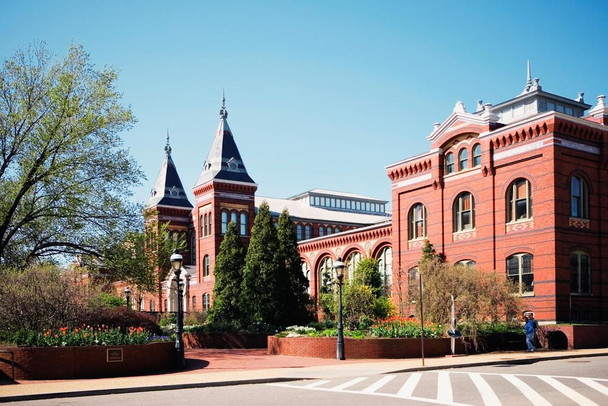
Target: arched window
(202, 225)
(205, 231)
(413, 284)
(327, 275)
(449, 163)
(193, 303)
(234, 217)
(306, 272)
(321, 231)
(520, 270)
(328, 230)
(519, 200)
(477, 155)
(352, 263)
(467, 263)
(152, 306)
(417, 221)
(206, 266)
(224, 221)
(580, 273)
(579, 198)
(193, 249)
(210, 230)
(307, 231)
(385, 265)
(206, 302)
(299, 232)
(464, 212)
(336, 230)
(463, 159)
(243, 223)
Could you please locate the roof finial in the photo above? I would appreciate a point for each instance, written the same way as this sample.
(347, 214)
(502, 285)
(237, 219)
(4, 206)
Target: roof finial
(223, 111)
(168, 147)
(528, 79)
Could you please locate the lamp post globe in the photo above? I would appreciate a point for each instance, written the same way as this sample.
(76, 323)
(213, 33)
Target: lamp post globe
(339, 268)
(176, 264)
(128, 296)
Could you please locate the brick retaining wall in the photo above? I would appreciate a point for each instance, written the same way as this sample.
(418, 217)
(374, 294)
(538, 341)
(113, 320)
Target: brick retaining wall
(86, 362)
(325, 347)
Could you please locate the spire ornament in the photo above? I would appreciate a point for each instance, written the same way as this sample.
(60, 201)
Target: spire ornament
(223, 111)
(167, 146)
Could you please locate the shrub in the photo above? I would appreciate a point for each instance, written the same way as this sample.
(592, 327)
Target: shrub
(396, 327)
(120, 317)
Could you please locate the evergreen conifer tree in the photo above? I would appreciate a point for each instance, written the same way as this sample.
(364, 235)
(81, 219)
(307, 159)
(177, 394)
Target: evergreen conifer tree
(295, 296)
(261, 293)
(228, 271)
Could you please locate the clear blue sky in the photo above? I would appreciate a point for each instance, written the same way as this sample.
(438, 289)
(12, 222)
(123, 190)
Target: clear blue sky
(319, 93)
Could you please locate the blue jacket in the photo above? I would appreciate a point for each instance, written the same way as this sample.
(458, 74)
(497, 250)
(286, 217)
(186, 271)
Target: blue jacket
(529, 327)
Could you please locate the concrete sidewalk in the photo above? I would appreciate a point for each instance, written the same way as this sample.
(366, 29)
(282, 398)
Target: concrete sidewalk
(214, 367)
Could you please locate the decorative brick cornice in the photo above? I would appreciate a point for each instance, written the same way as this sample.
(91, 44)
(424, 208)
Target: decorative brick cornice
(409, 169)
(348, 238)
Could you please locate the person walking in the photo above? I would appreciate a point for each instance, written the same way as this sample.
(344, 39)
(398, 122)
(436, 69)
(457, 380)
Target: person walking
(530, 333)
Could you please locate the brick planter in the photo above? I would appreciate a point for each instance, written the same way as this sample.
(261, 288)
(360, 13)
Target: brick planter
(325, 347)
(32, 363)
(226, 340)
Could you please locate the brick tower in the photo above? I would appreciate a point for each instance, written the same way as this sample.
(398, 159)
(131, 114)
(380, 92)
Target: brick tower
(224, 192)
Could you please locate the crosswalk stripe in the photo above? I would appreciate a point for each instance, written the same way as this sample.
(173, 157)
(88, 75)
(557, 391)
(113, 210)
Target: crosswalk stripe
(349, 383)
(444, 387)
(315, 384)
(595, 385)
(380, 383)
(534, 397)
(567, 391)
(485, 390)
(408, 387)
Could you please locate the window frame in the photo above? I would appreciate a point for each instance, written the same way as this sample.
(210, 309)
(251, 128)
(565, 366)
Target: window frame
(476, 155)
(515, 202)
(578, 274)
(579, 203)
(519, 277)
(463, 159)
(449, 163)
(415, 221)
(206, 266)
(459, 213)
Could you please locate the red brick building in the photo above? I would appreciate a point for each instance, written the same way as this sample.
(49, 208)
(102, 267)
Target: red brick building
(517, 187)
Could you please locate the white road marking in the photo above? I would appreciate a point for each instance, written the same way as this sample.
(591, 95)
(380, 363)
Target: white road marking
(569, 392)
(485, 390)
(348, 384)
(408, 388)
(593, 383)
(315, 384)
(528, 392)
(381, 382)
(444, 387)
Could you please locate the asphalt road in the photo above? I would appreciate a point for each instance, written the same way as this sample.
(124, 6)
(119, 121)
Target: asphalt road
(582, 381)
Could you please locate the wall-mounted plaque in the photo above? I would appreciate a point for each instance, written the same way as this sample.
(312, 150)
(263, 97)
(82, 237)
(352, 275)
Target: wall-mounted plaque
(114, 354)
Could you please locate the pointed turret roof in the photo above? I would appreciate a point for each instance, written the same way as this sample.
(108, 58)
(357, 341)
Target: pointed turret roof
(224, 161)
(168, 189)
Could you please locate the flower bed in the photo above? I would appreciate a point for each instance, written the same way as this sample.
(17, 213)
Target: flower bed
(366, 348)
(87, 362)
(224, 340)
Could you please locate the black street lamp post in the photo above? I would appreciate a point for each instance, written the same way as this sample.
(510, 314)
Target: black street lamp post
(128, 296)
(176, 263)
(339, 267)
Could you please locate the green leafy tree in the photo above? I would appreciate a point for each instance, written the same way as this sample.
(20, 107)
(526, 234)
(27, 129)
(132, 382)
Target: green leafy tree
(64, 173)
(262, 279)
(368, 273)
(296, 300)
(229, 263)
(142, 259)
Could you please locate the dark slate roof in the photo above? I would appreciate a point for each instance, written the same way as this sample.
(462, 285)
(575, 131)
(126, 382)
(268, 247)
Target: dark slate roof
(168, 189)
(224, 161)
